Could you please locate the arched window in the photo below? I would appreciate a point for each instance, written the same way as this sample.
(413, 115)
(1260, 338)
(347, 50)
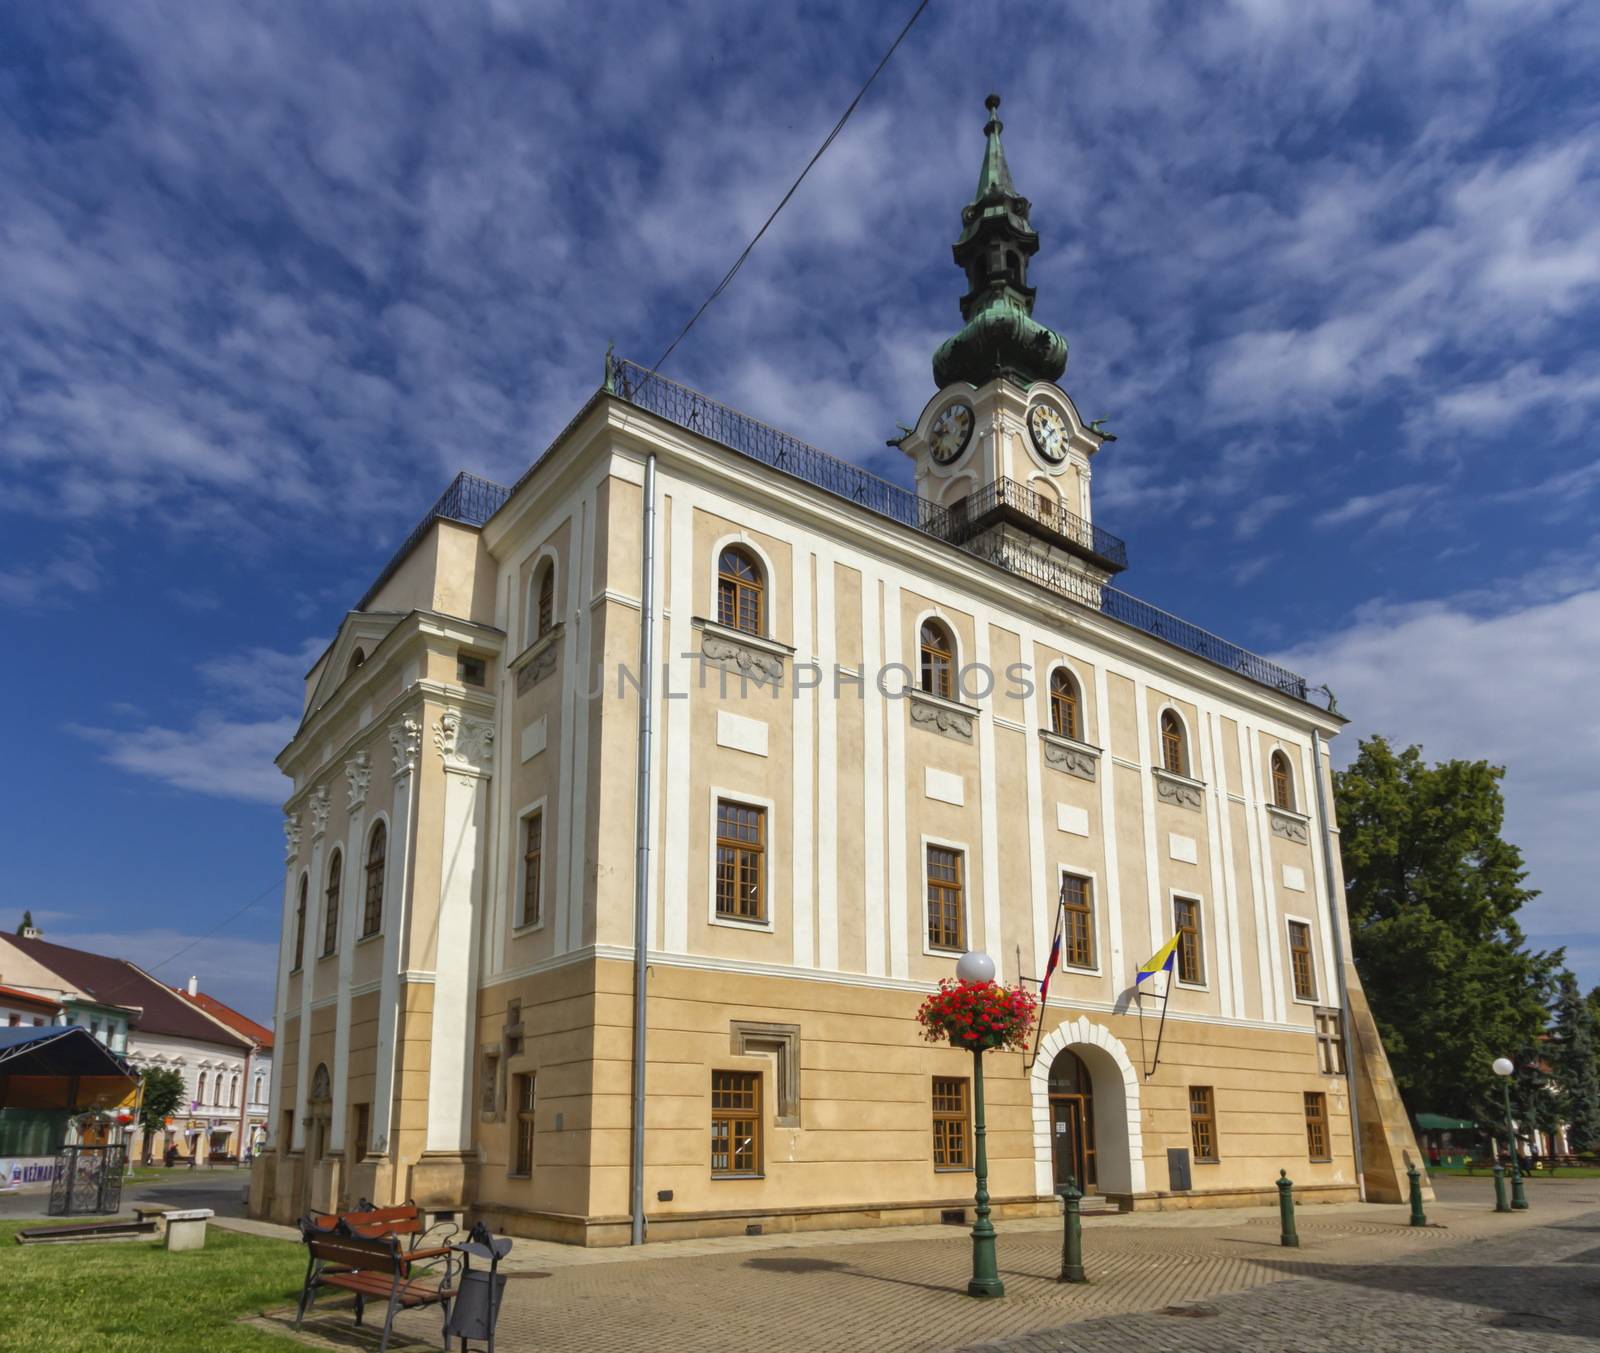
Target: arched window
(544, 600)
(1282, 782)
(356, 659)
(1174, 748)
(377, 854)
(255, 1091)
(216, 1093)
(233, 1092)
(1065, 715)
(330, 911)
(741, 600)
(200, 1093)
(300, 924)
(938, 659)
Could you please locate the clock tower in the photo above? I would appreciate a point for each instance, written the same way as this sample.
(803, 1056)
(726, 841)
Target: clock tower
(1001, 447)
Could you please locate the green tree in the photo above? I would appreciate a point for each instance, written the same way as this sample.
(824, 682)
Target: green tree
(27, 923)
(1433, 891)
(1574, 1068)
(164, 1091)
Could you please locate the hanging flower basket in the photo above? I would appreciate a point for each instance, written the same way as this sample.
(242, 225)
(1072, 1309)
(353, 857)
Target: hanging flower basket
(980, 1016)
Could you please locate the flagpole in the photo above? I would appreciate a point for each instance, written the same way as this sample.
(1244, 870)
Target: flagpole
(1044, 987)
(1162, 1027)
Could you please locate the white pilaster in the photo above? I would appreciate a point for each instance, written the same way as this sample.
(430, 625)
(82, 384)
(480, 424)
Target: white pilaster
(684, 677)
(465, 746)
(827, 773)
(575, 826)
(873, 823)
(292, 831)
(405, 741)
(358, 775)
(802, 894)
(988, 829)
(899, 925)
(316, 899)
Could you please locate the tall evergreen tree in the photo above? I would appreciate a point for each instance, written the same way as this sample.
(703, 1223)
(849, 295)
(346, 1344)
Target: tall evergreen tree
(1574, 1068)
(1433, 891)
(27, 923)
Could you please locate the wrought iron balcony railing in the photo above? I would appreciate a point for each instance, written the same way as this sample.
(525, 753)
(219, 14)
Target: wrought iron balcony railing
(469, 500)
(1005, 500)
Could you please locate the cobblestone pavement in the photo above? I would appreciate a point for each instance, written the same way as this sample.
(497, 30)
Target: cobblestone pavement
(1363, 1279)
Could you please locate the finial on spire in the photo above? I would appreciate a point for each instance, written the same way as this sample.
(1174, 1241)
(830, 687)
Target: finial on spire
(992, 103)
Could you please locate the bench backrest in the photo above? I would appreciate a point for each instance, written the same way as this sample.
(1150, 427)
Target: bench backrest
(369, 1254)
(405, 1220)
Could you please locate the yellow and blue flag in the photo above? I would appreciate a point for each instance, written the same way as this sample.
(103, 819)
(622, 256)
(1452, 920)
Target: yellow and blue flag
(1160, 961)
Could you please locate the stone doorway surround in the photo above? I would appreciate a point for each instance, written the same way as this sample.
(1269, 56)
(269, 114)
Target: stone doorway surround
(1119, 1136)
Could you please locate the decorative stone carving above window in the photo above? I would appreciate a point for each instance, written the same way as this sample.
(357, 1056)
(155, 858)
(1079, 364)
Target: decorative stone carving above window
(464, 744)
(358, 771)
(1288, 824)
(1069, 755)
(939, 715)
(319, 808)
(538, 659)
(1179, 790)
(753, 656)
(782, 1041)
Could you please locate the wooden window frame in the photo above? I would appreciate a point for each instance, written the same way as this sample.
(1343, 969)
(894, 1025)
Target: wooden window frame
(742, 853)
(1282, 782)
(377, 868)
(330, 904)
(1174, 743)
(300, 923)
(525, 1090)
(1319, 1137)
(939, 940)
(1191, 942)
(741, 601)
(936, 653)
(530, 901)
(1080, 933)
(1302, 961)
(732, 1121)
(1066, 705)
(1203, 1125)
(952, 1123)
(1330, 1042)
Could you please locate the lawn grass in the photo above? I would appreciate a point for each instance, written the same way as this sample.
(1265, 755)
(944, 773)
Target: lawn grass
(1483, 1172)
(135, 1297)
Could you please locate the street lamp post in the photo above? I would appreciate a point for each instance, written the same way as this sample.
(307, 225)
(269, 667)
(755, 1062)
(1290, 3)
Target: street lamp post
(1504, 1067)
(976, 966)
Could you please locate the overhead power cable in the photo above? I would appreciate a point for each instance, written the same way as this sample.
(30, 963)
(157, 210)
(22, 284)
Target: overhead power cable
(223, 926)
(838, 126)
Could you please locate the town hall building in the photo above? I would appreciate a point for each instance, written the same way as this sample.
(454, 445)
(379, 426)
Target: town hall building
(637, 807)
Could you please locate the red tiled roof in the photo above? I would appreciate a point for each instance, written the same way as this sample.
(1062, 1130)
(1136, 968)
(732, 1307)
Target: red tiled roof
(28, 997)
(243, 1024)
(115, 981)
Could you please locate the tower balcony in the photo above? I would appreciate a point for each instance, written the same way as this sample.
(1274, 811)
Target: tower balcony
(1005, 502)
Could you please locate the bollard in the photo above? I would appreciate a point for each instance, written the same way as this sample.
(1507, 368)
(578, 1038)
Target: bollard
(1418, 1216)
(1500, 1204)
(1519, 1199)
(1290, 1236)
(1072, 1238)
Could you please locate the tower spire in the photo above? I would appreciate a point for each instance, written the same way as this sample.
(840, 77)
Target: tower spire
(1000, 337)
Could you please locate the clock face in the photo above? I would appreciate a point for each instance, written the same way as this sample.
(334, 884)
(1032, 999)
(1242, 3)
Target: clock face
(950, 433)
(1049, 432)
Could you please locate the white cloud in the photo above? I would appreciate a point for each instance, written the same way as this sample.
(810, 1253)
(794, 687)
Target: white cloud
(69, 574)
(1385, 511)
(1514, 687)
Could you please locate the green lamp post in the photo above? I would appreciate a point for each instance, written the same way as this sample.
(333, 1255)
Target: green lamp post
(1504, 1067)
(977, 966)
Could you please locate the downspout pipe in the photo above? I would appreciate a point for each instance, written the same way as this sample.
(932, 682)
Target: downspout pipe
(1336, 929)
(641, 829)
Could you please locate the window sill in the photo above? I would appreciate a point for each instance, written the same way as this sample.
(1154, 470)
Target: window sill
(1306, 1000)
(952, 1169)
(1179, 790)
(1206, 1160)
(512, 1174)
(1320, 1160)
(734, 1178)
(716, 629)
(367, 939)
(739, 923)
(527, 928)
(1190, 986)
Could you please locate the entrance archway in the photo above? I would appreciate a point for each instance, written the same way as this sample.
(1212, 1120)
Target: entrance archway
(1107, 1098)
(319, 1116)
(1072, 1122)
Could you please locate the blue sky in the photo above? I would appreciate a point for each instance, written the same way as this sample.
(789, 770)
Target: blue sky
(270, 274)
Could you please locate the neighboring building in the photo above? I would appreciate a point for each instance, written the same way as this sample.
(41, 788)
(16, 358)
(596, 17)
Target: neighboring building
(26, 1009)
(455, 989)
(159, 1028)
(256, 1085)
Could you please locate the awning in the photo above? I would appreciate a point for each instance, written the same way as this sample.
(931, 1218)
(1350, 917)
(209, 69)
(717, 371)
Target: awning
(58, 1050)
(1434, 1122)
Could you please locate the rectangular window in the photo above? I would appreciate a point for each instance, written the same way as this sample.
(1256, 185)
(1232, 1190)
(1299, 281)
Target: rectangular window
(946, 906)
(525, 1103)
(1203, 1123)
(1191, 959)
(532, 868)
(363, 1127)
(1317, 1126)
(1305, 974)
(735, 1123)
(14, 1020)
(471, 671)
(1330, 1043)
(741, 861)
(952, 1124)
(1078, 898)
(489, 1085)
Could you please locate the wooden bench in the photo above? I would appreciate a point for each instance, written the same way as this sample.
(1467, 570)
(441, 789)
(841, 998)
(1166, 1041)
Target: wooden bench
(376, 1266)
